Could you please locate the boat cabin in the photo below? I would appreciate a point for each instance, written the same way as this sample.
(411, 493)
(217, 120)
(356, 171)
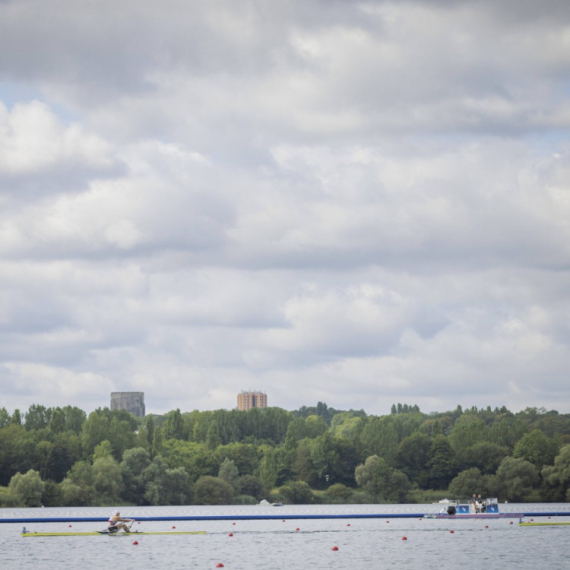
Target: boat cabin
(487, 506)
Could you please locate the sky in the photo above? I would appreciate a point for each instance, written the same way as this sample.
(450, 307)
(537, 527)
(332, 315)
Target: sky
(359, 203)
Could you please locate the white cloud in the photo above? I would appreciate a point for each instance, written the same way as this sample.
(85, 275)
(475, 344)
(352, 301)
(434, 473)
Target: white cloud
(32, 140)
(358, 203)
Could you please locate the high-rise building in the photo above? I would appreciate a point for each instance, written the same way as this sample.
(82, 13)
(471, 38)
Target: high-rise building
(248, 400)
(133, 402)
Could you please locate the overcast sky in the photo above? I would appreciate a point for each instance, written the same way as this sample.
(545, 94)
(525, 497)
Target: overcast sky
(361, 203)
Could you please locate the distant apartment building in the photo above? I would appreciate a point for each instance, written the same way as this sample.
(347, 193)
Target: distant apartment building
(248, 400)
(133, 402)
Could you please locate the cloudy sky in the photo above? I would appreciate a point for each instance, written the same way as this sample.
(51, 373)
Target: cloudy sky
(360, 203)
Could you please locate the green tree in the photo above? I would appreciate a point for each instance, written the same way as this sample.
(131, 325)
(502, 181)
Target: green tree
(196, 458)
(173, 426)
(16, 418)
(302, 464)
(467, 431)
(382, 482)
(74, 419)
(413, 454)
(4, 418)
(296, 431)
(114, 427)
(246, 456)
(150, 427)
(516, 478)
(315, 426)
(339, 493)
(466, 483)
(213, 491)
(297, 493)
(486, 456)
(17, 451)
(43, 455)
(65, 451)
(229, 472)
(77, 488)
(442, 463)
(557, 477)
(132, 467)
(380, 437)
(177, 488)
(537, 448)
(153, 477)
(57, 421)
(273, 468)
(324, 458)
(37, 417)
(252, 486)
(27, 489)
(107, 480)
(104, 449)
(213, 438)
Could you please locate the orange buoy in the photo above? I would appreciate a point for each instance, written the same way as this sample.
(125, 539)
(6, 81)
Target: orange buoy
(335, 548)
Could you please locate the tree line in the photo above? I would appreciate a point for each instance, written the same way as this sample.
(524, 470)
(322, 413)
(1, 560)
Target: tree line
(64, 457)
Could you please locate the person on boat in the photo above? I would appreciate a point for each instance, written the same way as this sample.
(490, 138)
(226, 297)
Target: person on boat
(474, 502)
(116, 523)
(482, 506)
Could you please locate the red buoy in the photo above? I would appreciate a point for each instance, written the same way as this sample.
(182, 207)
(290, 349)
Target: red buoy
(335, 548)
(511, 522)
(451, 531)
(173, 527)
(486, 526)
(219, 565)
(348, 524)
(297, 529)
(135, 542)
(404, 538)
(231, 534)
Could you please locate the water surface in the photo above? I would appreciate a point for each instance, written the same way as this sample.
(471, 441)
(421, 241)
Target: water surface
(289, 544)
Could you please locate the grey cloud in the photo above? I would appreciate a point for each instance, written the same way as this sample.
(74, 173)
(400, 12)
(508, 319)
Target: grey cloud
(368, 201)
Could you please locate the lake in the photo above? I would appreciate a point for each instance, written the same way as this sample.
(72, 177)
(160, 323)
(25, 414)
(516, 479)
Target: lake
(286, 544)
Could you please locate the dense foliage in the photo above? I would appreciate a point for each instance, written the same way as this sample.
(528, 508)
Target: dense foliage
(61, 456)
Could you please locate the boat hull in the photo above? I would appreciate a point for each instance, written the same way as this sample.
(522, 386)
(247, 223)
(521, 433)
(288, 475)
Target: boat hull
(105, 533)
(544, 523)
(477, 516)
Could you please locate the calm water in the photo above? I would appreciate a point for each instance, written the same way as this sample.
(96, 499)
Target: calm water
(276, 545)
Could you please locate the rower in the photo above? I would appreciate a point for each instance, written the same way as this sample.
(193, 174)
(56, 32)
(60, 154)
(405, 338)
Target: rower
(116, 523)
